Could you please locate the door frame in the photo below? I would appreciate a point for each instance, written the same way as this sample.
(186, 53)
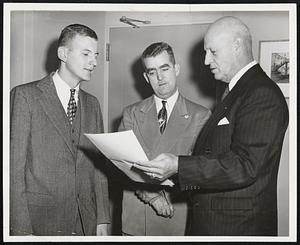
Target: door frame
(106, 63)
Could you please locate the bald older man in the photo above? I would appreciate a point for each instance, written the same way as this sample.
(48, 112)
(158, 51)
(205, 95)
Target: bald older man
(232, 173)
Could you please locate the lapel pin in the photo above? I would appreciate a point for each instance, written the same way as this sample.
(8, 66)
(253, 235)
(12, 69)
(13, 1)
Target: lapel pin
(186, 116)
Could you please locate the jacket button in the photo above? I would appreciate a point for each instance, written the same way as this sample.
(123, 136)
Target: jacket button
(207, 150)
(196, 204)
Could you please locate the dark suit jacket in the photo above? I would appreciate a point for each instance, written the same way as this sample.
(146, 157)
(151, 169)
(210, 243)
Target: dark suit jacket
(49, 180)
(232, 174)
(184, 124)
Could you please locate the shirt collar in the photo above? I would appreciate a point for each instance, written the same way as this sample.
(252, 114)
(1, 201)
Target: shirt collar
(170, 102)
(241, 72)
(63, 90)
(60, 84)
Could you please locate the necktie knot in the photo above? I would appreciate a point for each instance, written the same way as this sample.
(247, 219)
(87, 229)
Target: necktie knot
(72, 90)
(162, 117)
(226, 91)
(72, 107)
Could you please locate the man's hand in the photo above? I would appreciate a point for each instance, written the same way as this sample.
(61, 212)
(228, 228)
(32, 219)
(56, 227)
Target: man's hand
(162, 207)
(161, 167)
(146, 196)
(102, 230)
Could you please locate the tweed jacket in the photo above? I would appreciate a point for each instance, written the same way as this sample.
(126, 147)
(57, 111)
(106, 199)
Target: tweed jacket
(184, 124)
(50, 178)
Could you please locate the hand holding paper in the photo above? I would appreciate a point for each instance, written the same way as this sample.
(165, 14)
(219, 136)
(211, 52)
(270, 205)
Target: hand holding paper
(123, 149)
(161, 167)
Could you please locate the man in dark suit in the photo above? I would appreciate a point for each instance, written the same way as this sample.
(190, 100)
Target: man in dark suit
(164, 122)
(57, 186)
(232, 173)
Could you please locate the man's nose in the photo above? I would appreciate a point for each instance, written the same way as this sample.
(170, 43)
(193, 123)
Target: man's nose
(207, 59)
(159, 75)
(93, 61)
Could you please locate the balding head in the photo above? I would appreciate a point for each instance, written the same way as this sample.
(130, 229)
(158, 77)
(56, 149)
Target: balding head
(235, 29)
(228, 47)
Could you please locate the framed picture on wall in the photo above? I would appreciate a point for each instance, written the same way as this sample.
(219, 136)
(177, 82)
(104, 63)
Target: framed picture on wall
(275, 61)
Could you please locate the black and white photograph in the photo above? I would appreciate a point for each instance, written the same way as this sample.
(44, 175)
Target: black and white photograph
(149, 122)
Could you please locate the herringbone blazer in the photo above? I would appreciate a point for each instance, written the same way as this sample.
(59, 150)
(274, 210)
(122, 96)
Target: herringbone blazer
(50, 181)
(232, 175)
(184, 124)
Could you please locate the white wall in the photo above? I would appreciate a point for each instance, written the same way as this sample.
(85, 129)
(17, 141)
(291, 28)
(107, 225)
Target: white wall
(33, 33)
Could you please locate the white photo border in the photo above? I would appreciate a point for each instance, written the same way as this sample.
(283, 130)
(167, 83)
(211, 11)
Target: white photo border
(9, 7)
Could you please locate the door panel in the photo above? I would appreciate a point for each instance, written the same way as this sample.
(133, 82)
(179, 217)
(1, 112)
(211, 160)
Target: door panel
(126, 81)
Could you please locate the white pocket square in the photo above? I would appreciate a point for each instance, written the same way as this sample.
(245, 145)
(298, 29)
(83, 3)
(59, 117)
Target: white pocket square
(223, 121)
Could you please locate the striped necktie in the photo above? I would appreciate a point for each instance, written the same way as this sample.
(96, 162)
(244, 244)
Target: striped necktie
(162, 117)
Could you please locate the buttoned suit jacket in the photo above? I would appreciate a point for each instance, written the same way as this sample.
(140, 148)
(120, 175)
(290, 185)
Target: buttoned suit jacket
(49, 178)
(184, 124)
(232, 174)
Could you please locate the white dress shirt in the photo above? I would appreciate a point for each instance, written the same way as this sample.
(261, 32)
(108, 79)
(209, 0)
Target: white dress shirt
(169, 105)
(63, 91)
(237, 76)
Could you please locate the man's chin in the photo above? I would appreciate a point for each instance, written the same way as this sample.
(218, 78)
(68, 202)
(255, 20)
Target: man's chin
(86, 78)
(217, 77)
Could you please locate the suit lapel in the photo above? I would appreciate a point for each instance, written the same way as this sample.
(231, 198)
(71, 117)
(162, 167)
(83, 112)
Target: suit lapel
(148, 124)
(225, 106)
(84, 122)
(54, 110)
(176, 126)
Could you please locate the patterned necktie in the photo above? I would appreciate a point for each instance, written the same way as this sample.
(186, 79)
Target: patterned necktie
(226, 91)
(162, 117)
(72, 107)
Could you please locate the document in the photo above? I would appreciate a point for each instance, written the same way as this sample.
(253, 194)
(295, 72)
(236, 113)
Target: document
(123, 149)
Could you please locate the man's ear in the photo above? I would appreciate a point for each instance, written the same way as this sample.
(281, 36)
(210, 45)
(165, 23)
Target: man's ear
(146, 77)
(177, 69)
(62, 53)
(237, 44)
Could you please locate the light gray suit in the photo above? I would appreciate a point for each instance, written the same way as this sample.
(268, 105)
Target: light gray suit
(184, 124)
(51, 177)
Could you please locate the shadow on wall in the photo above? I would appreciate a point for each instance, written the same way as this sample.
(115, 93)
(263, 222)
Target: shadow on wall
(52, 61)
(142, 87)
(200, 73)
(140, 84)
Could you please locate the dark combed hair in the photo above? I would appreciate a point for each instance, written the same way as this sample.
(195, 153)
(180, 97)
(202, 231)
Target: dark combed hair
(157, 48)
(70, 31)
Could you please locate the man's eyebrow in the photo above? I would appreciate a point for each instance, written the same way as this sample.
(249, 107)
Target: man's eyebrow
(164, 65)
(150, 69)
(86, 49)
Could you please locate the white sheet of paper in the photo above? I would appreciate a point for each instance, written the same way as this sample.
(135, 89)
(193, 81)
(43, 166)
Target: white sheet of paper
(123, 149)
